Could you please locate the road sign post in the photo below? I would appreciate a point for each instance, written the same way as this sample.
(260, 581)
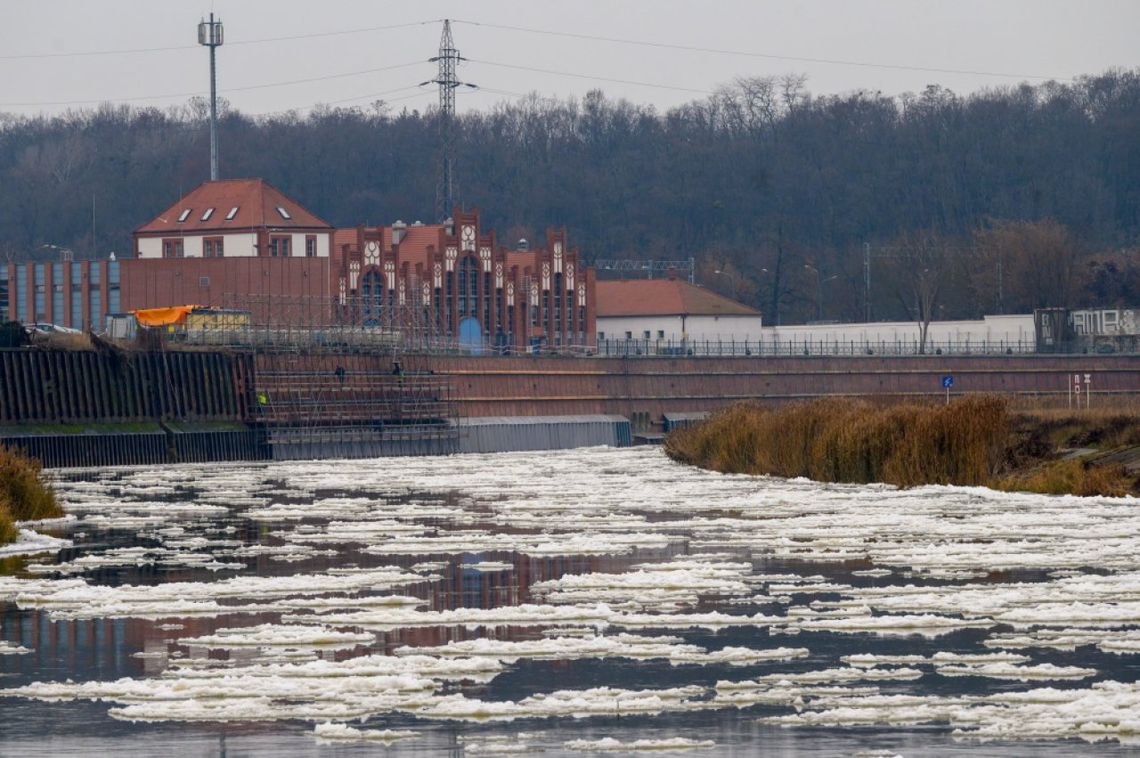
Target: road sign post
(947, 383)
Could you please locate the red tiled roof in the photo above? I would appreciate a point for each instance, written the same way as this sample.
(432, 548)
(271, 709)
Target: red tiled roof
(414, 245)
(256, 201)
(664, 297)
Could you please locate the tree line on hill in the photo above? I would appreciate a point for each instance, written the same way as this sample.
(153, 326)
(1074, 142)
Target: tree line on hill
(999, 201)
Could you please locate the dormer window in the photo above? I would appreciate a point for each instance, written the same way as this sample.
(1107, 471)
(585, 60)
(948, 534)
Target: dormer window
(209, 212)
(232, 213)
(284, 213)
(184, 215)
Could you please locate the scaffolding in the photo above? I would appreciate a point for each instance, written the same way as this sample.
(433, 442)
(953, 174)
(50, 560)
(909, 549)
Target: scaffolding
(342, 377)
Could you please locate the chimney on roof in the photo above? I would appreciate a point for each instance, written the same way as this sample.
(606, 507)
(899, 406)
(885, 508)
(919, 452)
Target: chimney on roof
(399, 229)
(522, 245)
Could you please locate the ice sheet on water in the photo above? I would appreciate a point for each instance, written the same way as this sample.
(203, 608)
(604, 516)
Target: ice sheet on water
(1016, 672)
(522, 507)
(612, 745)
(334, 733)
(276, 636)
(598, 647)
(29, 543)
(75, 598)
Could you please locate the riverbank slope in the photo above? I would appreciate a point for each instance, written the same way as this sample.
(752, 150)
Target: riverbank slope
(24, 495)
(975, 440)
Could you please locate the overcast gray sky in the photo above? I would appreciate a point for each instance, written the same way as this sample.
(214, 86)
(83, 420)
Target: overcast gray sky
(904, 45)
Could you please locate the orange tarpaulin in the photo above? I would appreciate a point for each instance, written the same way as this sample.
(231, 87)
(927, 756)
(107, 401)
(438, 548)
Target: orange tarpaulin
(175, 314)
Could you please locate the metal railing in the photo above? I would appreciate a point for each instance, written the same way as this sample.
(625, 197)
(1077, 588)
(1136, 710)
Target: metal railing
(729, 346)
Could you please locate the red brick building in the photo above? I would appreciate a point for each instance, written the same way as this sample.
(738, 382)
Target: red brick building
(478, 291)
(242, 243)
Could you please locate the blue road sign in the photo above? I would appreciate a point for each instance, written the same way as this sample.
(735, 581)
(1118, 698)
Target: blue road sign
(947, 382)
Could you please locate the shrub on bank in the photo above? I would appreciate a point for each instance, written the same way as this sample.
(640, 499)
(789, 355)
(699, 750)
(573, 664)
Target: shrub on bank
(853, 441)
(1069, 477)
(24, 495)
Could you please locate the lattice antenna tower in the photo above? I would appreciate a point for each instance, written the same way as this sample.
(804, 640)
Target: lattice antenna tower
(448, 82)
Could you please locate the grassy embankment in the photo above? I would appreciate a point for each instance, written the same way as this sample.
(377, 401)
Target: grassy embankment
(973, 441)
(24, 495)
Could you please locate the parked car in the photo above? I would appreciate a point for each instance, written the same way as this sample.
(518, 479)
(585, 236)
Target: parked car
(45, 328)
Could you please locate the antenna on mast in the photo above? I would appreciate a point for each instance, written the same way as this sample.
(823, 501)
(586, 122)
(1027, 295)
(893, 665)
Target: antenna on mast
(210, 35)
(448, 82)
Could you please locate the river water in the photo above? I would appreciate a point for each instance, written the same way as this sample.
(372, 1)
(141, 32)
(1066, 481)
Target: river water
(570, 602)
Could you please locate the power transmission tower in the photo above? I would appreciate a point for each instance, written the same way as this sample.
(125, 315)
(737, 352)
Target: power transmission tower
(448, 82)
(210, 34)
(649, 266)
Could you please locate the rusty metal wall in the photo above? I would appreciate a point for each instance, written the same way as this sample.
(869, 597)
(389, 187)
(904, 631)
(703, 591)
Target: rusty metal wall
(76, 387)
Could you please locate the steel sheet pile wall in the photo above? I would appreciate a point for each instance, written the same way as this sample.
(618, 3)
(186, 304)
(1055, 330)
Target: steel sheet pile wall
(87, 408)
(75, 387)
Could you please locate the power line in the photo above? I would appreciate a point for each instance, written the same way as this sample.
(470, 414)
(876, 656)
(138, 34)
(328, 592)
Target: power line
(751, 54)
(592, 78)
(138, 50)
(246, 88)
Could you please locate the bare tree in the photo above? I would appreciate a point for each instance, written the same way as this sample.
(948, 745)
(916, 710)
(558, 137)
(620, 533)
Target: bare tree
(923, 259)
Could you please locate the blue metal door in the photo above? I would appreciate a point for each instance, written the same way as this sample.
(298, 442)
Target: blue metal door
(470, 335)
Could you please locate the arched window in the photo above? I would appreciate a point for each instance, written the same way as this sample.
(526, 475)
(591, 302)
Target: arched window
(468, 287)
(372, 295)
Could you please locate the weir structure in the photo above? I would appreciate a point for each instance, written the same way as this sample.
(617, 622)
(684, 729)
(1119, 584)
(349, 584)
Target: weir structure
(319, 379)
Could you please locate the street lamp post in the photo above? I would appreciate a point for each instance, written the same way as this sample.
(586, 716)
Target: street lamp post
(819, 282)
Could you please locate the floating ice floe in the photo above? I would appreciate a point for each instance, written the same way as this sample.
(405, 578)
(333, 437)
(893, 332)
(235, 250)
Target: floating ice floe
(74, 598)
(927, 624)
(330, 732)
(616, 646)
(1104, 711)
(611, 745)
(11, 648)
(275, 636)
(489, 566)
(29, 542)
(599, 701)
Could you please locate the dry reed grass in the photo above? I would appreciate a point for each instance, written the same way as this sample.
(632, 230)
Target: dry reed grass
(972, 441)
(1070, 476)
(74, 341)
(24, 495)
(853, 441)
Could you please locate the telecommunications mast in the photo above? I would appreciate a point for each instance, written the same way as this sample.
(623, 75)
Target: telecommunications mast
(210, 35)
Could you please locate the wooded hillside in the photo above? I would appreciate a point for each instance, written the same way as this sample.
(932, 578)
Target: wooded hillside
(998, 201)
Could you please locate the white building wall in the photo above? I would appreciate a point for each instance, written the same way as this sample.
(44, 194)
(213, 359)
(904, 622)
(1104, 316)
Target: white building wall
(677, 328)
(297, 244)
(149, 247)
(989, 334)
(1015, 331)
(233, 245)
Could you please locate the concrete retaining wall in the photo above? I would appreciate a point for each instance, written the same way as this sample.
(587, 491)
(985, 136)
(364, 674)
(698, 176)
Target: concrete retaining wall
(502, 434)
